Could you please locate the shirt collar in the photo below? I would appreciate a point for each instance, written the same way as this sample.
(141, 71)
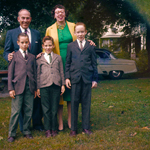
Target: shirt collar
(83, 42)
(22, 51)
(23, 30)
(48, 55)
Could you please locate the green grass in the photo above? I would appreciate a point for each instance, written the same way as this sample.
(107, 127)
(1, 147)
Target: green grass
(120, 120)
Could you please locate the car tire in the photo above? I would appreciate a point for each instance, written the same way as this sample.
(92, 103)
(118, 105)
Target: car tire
(115, 74)
(105, 76)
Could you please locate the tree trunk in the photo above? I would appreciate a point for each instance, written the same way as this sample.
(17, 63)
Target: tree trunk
(148, 44)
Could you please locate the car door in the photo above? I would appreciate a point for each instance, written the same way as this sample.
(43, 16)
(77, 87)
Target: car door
(104, 62)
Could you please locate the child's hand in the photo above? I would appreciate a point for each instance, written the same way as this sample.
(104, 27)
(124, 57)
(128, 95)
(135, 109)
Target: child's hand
(35, 94)
(38, 93)
(62, 89)
(94, 84)
(68, 84)
(12, 94)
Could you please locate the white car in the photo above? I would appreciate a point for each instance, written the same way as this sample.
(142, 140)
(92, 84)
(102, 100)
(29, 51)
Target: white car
(110, 66)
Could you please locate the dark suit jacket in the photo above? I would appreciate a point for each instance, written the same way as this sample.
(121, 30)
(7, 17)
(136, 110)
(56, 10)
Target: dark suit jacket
(47, 74)
(18, 70)
(81, 63)
(11, 42)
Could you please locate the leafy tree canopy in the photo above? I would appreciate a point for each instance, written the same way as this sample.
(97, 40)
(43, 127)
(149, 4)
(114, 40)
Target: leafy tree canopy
(95, 14)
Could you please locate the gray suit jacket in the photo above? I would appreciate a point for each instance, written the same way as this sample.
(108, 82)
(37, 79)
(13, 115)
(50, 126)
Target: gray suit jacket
(47, 74)
(18, 70)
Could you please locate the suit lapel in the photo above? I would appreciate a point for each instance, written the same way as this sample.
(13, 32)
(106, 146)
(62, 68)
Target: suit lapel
(77, 45)
(20, 56)
(29, 57)
(44, 60)
(85, 46)
(18, 31)
(54, 57)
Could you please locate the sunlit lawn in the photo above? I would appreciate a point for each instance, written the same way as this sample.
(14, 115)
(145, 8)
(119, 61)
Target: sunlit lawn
(120, 120)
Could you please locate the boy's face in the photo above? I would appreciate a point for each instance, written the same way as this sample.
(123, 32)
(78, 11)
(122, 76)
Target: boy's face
(80, 32)
(23, 42)
(48, 46)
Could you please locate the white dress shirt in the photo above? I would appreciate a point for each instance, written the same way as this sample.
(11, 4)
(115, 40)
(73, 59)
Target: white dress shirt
(83, 42)
(22, 52)
(28, 33)
(47, 57)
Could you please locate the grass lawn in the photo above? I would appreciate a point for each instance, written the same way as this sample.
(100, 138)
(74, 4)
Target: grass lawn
(120, 120)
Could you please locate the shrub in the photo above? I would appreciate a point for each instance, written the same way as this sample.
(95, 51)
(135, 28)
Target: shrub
(123, 54)
(3, 62)
(142, 61)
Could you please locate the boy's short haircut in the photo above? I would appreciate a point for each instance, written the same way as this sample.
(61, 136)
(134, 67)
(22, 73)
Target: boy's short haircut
(48, 38)
(22, 35)
(79, 23)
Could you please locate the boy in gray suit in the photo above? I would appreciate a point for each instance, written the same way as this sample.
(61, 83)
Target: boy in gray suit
(50, 85)
(21, 86)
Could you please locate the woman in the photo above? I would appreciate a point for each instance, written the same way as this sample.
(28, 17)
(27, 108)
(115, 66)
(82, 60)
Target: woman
(62, 32)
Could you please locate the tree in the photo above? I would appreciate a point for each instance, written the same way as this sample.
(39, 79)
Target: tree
(94, 13)
(40, 12)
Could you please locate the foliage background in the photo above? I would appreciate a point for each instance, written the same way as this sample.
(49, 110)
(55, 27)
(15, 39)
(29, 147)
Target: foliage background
(95, 14)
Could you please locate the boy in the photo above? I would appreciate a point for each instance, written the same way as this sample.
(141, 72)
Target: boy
(50, 85)
(21, 86)
(80, 74)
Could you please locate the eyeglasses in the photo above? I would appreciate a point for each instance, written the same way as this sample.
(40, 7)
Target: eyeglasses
(58, 12)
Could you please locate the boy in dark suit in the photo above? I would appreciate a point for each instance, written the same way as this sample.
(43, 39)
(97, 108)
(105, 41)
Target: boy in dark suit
(50, 85)
(81, 75)
(21, 86)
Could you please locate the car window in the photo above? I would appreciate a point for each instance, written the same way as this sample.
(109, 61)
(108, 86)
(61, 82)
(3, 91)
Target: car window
(112, 56)
(102, 55)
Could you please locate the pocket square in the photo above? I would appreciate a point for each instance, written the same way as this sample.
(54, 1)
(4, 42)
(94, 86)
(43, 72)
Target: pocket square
(36, 41)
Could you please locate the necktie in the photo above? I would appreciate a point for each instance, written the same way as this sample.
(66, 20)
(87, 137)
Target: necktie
(81, 46)
(26, 31)
(26, 56)
(50, 58)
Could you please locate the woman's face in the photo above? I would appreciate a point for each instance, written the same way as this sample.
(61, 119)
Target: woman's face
(60, 15)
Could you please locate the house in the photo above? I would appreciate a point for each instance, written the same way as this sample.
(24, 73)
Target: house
(115, 40)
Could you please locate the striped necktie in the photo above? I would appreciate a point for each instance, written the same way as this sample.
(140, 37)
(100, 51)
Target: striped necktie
(81, 46)
(26, 56)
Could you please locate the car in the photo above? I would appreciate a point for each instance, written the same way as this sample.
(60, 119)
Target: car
(110, 66)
